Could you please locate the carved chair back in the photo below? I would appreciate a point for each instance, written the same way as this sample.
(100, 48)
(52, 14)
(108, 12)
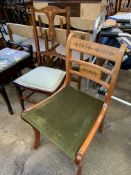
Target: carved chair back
(92, 71)
(59, 21)
(50, 12)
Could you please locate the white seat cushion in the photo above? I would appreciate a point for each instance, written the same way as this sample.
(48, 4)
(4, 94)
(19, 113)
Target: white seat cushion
(75, 54)
(31, 41)
(42, 78)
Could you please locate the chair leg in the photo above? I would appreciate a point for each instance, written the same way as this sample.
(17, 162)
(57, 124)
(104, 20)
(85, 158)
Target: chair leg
(79, 169)
(101, 127)
(37, 138)
(19, 94)
(6, 99)
(79, 83)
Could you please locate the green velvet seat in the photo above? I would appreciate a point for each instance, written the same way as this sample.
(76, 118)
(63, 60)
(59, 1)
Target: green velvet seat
(67, 129)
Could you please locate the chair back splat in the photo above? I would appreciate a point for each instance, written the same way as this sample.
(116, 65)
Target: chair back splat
(71, 118)
(50, 12)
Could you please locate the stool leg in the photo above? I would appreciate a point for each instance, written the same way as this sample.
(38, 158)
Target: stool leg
(6, 99)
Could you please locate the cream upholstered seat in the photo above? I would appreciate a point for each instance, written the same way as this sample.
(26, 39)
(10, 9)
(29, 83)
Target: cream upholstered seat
(42, 78)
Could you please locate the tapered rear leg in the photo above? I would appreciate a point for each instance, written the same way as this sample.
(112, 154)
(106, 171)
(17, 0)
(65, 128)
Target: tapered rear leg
(37, 138)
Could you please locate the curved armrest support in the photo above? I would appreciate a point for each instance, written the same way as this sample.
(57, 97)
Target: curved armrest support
(91, 135)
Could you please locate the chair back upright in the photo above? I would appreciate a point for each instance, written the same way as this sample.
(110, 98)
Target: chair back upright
(123, 6)
(92, 71)
(50, 12)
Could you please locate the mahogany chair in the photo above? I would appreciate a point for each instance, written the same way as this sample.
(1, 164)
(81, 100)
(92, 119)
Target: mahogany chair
(71, 118)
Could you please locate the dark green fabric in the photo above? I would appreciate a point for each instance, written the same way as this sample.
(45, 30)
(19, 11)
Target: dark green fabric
(66, 119)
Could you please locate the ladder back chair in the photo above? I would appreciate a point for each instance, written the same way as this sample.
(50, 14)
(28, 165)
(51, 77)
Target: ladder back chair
(50, 12)
(70, 118)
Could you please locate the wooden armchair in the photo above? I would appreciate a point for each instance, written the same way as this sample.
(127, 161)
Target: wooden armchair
(70, 118)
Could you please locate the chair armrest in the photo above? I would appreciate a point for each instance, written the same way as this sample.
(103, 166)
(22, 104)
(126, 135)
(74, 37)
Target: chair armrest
(91, 135)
